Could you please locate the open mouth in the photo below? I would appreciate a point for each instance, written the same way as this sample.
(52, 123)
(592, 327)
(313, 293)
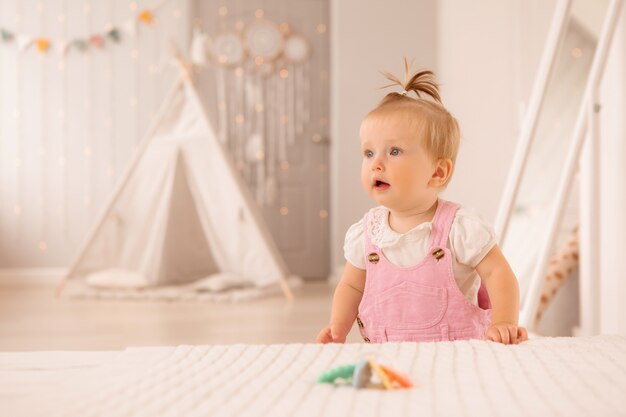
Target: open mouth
(381, 185)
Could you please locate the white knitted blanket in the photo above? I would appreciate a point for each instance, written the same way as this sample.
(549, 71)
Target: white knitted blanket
(541, 377)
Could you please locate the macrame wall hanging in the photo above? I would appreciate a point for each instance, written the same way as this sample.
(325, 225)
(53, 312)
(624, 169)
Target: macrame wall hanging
(262, 78)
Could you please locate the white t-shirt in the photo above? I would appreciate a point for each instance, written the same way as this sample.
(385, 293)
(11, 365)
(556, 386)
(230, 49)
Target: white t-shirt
(470, 239)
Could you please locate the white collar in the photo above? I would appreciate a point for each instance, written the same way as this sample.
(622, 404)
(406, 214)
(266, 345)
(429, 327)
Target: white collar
(382, 235)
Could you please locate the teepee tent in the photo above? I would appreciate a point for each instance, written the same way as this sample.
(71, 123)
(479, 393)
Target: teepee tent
(181, 213)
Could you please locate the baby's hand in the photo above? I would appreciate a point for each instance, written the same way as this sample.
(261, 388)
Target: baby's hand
(330, 334)
(506, 333)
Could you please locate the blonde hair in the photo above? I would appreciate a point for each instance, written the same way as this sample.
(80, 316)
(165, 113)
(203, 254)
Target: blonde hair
(440, 130)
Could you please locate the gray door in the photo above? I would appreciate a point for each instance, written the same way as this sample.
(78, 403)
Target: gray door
(291, 178)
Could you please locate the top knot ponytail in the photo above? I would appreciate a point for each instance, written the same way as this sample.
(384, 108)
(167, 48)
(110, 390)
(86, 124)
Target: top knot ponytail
(422, 82)
(423, 115)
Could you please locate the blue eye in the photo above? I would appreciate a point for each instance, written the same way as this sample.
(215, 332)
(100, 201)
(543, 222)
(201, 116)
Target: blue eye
(368, 154)
(395, 152)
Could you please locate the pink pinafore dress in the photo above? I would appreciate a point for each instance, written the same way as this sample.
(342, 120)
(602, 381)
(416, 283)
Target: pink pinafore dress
(421, 303)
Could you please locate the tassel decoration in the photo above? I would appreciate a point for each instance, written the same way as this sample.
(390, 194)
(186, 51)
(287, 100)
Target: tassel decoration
(114, 35)
(80, 44)
(146, 17)
(96, 40)
(6, 35)
(42, 45)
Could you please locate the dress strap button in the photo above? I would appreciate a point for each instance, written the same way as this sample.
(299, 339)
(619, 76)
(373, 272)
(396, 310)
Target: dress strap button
(438, 253)
(373, 257)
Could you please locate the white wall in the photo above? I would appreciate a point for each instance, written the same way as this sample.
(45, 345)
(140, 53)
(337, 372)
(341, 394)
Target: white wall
(69, 124)
(366, 38)
(488, 53)
(612, 314)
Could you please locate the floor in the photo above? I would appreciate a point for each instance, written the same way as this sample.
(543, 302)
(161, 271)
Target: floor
(31, 318)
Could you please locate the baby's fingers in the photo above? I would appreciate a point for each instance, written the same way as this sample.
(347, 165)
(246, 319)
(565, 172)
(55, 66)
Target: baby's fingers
(504, 334)
(513, 334)
(324, 336)
(522, 334)
(493, 334)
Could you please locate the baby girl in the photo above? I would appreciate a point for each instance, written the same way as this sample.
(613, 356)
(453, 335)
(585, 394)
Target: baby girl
(419, 268)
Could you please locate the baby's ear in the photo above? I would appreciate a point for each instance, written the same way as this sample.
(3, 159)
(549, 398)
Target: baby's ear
(443, 170)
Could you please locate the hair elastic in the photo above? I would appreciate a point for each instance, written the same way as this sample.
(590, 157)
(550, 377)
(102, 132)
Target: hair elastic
(404, 92)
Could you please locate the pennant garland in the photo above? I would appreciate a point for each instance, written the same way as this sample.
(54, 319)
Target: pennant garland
(23, 42)
(130, 28)
(79, 44)
(6, 35)
(146, 17)
(113, 34)
(95, 41)
(42, 45)
(61, 47)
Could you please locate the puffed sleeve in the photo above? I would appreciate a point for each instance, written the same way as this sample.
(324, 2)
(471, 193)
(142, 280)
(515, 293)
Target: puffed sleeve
(353, 249)
(471, 237)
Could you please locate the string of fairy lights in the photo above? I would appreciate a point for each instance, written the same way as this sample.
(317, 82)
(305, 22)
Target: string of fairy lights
(62, 48)
(104, 41)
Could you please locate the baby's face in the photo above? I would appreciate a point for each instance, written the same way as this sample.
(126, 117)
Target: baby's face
(396, 169)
